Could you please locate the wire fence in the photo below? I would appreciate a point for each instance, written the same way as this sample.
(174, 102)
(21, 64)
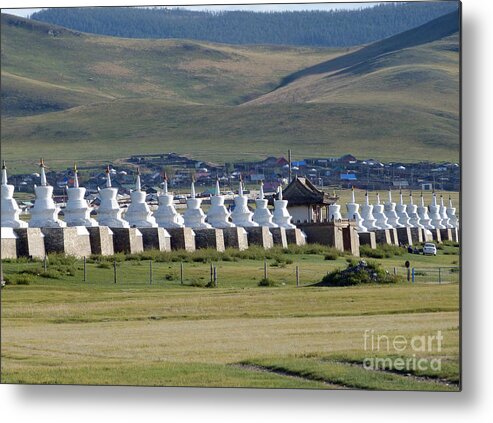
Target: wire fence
(153, 273)
(440, 275)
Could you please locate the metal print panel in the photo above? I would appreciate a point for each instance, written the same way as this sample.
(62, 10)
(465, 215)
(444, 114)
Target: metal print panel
(257, 196)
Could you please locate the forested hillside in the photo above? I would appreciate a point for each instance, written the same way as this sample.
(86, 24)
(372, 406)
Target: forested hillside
(338, 28)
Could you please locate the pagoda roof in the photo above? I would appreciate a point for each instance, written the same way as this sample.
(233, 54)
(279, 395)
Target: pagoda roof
(302, 192)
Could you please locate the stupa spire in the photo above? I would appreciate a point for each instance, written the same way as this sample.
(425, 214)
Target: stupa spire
(108, 177)
(411, 197)
(261, 194)
(422, 200)
(279, 197)
(240, 190)
(76, 178)
(400, 196)
(4, 173)
(218, 188)
(390, 195)
(378, 198)
(165, 183)
(353, 200)
(434, 199)
(192, 189)
(138, 186)
(366, 198)
(450, 201)
(43, 174)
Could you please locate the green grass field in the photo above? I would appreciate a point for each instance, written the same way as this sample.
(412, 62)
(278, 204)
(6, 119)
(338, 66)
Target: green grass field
(68, 331)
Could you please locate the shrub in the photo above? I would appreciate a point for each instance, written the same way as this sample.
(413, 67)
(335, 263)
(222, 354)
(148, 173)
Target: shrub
(382, 251)
(19, 279)
(23, 280)
(266, 282)
(58, 259)
(104, 265)
(51, 274)
(362, 273)
(332, 255)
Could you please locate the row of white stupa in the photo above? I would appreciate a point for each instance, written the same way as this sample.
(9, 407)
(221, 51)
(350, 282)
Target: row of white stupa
(77, 212)
(391, 215)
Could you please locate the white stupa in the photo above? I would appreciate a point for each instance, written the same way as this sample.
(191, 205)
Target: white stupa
(392, 217)
(436, 219)
(77, 212)
(353, 213)
(9, 208)
(166, 215)
(454, 221)
(242, 216)
(44, 214)
(194, 216)
(281, 215)
(412, 212)
(424, 218)
(262, 214)
(218, 216)
(139, 214)
(443, 214)
(367, 215)
(109, 212)
(380, 216)
(334, 210)
(401, 211)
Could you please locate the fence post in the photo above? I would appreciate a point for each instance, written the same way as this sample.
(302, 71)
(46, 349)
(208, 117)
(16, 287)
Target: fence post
(412, 275)
(212, 273)
(395, 271)
(439, 275)
(85, 269)
(265, 269)
(181, 273)
(150, 272)
(297, 276)
(114, 271)
(45, 263)
(408, 274)
(215, 276)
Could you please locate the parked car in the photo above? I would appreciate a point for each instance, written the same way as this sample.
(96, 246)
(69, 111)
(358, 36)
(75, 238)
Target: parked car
(430, 248)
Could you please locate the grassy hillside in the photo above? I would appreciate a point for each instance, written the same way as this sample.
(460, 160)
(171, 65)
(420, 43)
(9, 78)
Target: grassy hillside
(179, 71)
(72, 96)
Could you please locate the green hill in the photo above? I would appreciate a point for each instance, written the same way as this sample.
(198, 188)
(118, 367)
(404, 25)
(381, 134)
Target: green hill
(73, 96)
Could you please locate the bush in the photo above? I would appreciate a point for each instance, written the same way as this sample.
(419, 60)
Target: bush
(266, 282)
(382, 251)
(51, 274)
(331, 256)
(19, 279)
(104, 265)
(57, 259)
(362, 273)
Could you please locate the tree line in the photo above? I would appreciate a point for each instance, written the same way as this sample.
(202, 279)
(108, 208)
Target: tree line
(336, 28)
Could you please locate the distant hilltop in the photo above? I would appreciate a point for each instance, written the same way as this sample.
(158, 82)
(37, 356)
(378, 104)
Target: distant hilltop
(336, 28)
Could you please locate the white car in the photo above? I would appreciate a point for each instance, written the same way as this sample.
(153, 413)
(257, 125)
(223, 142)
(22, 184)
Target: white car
(430, 248)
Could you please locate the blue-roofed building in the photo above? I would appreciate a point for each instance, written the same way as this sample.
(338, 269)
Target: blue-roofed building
(348, 177)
